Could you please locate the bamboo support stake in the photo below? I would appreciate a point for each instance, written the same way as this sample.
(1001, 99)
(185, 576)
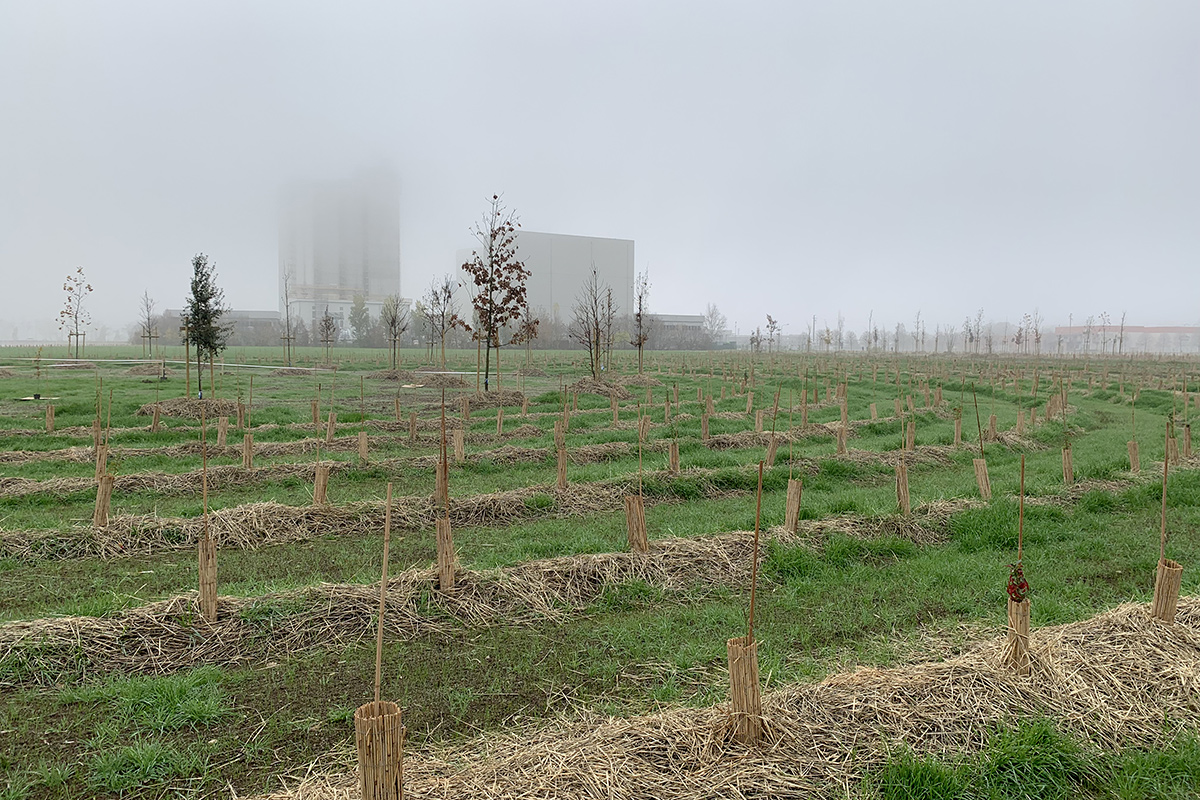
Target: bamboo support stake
(207, 556)
(378, 727)
(745, 689)
(1017, 649)
(1169, 575)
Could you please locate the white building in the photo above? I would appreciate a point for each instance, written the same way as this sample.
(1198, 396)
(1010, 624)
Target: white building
(559, 265)
(339, 239)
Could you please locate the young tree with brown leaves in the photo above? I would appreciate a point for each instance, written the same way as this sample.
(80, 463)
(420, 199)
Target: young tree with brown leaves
(74, 318)
(498, 276)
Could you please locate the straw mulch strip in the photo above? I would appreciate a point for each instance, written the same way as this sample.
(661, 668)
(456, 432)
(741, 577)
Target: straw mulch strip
(640, 381)
(168, 483)
(74, 365)
(510, 398)
(151, 370)
(1118, 679)
(188, 408)
(934, 454)
(6, 373)
(292, 372)
(592, 386)
(437, 380)
(927, 525)
(532, 372)
(257, 524)
(1013, 441)
(169, 635)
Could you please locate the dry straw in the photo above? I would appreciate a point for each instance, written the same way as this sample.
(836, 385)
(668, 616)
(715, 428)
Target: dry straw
(1116, 680)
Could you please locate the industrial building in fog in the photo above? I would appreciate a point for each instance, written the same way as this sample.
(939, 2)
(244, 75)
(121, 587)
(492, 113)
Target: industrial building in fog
(559, 264)
(339, 239)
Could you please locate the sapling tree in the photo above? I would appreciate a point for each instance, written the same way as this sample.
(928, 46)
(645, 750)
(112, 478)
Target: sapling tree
(641, 316)
(498, 276)
(327, 331)
(393, 320)
(204, 308)
(74, 318)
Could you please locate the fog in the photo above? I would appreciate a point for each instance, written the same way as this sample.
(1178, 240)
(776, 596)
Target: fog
(789, 158)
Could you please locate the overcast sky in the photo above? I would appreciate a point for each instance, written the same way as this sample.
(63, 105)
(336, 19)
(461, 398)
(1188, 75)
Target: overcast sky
(792, 158)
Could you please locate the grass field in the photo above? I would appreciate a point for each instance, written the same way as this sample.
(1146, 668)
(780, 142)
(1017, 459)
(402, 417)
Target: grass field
(111, 685)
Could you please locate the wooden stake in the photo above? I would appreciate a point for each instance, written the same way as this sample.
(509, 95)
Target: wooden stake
(50, 418)
(362, 446)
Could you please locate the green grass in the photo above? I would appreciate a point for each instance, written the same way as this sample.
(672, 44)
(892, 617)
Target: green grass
(821, 604)
(1035, 761)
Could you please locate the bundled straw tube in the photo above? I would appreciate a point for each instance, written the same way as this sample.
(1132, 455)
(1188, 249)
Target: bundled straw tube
(1017, 649)
(981, 479)
(104, 487)
(745, 692)
(1166, 590)
(379, 737)
(635, 524)
(791, 518)
(445, 555)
